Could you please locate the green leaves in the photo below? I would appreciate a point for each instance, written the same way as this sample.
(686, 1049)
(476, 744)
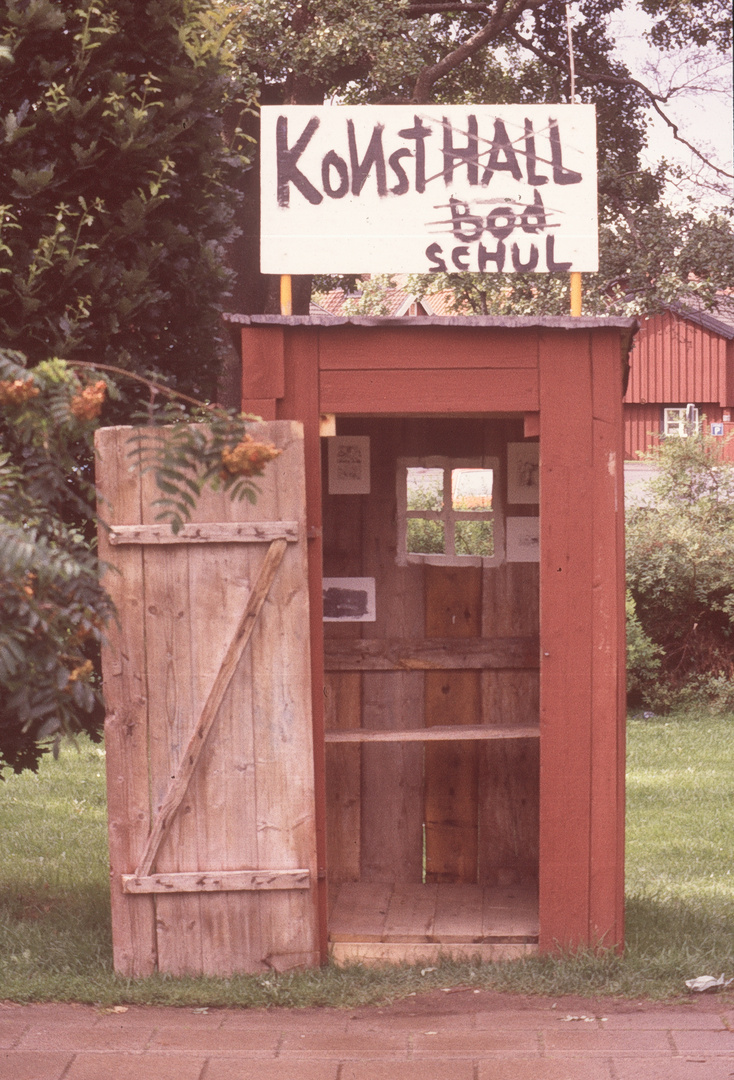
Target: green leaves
(643, 657)
(52, 612)
(52, 606)
(115, 162)
(703, 22)
(680, 559)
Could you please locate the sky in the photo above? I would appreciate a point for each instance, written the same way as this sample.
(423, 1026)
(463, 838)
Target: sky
(704, 115)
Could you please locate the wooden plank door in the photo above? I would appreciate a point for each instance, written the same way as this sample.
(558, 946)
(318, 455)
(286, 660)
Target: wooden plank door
(208, 733)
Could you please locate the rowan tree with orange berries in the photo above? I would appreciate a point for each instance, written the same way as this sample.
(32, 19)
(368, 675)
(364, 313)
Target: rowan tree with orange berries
(52, 607)
(118, 196)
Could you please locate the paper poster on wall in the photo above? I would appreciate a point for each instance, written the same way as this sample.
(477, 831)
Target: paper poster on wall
(522, 538)
(349, 465)
(428, 189)
(349, 600)
(523, 472)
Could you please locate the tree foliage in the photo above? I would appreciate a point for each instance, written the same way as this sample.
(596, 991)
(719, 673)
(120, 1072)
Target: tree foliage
(643, 658)
(680, 561)
(52, 606)
(698, 21)
(117, 190)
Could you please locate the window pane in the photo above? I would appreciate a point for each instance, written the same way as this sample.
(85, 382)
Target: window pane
(682, 421)
(471, 489)
(474, 538)
(675, 421)
(425, 489)
(426, 537)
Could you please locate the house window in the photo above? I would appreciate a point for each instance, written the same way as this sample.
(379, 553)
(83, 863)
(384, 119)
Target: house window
(681, 421)
(448, 512)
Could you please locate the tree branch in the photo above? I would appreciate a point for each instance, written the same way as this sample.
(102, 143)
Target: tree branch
(676, 132)
(416, 10)
(619, 80)
(504, 15)
(156, 387)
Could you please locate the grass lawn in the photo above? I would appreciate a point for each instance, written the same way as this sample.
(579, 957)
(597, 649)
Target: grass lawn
(54, 908)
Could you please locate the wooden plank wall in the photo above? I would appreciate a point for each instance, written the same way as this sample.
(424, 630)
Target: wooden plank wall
(250, 801)
(509, 809)
(453, 597)
(582, 644)
(298, 356)
(391, 773)
(478, 803)
(126, 723)
(388, 370)
(675, 361)
(642, 425)
(551, 376)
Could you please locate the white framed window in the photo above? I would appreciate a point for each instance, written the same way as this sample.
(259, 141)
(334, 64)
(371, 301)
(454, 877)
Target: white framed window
(449, 511)
(681, 421)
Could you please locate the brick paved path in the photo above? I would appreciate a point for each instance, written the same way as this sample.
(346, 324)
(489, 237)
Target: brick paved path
(457, 1036)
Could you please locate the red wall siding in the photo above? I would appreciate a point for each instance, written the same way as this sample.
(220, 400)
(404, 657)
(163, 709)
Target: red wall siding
(642, 423)
(675, 361)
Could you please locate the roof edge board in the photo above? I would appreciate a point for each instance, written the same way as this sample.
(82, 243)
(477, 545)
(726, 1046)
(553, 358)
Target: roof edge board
(488, 322)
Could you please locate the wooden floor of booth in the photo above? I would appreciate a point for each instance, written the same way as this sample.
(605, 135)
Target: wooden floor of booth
(394, 922)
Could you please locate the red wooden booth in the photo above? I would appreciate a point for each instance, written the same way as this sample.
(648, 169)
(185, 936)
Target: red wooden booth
(507, 833)
(380, 712)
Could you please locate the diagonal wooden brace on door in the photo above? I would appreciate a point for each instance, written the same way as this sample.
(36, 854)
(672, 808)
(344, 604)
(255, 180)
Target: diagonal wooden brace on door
(213, 881)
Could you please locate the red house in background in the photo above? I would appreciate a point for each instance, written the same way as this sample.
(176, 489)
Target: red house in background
(681, 371)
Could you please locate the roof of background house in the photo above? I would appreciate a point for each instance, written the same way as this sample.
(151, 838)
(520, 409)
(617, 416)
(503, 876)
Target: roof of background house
(719, 320)
(397, 301)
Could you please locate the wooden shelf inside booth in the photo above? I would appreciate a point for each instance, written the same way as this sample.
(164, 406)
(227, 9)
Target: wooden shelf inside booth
(376, 922)
(431, 654)
(447, 733)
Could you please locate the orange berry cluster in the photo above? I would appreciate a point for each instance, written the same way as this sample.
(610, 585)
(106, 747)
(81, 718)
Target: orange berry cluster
(247, 458)
(81, 673)
(87, 405)
(17, 391)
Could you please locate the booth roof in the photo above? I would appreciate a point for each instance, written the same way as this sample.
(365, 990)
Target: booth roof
(489, 322)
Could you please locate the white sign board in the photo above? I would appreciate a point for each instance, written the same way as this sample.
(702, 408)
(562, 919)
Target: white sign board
(349, 465)
(421, 189)
(522, 539)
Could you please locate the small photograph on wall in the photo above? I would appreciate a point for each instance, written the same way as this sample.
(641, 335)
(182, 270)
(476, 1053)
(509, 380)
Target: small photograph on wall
(523, 539)
(349, 465)
(523, 472)
(349, 599)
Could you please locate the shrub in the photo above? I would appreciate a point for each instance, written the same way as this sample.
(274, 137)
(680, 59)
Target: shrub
(680, 566)
(643, 659)
(52, 607)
